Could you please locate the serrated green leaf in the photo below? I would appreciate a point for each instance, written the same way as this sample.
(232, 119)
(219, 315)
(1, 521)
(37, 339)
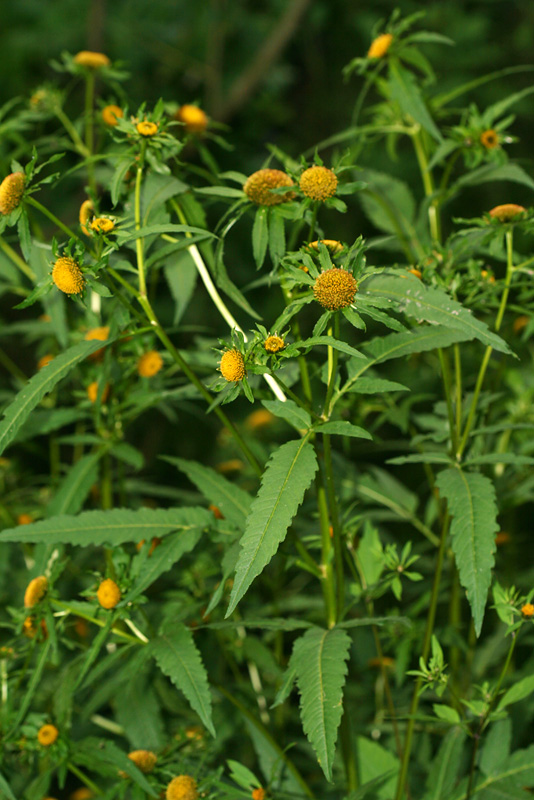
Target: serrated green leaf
(177, 656)
(288, 474)
(157, 189)
(509, 782)
(343, 428)
(446, 713)
(138, 711)
(260, 236)
(405, 91)
(75, 487)
(129, 454)
(388, 202)
(471, 501)
(45, 420)
(375, 761)
(501, 458)
(329, 341)
(39, 385)
(496, 747)
(117, 181)
(109, 527)
(496, 172)
(444, 769)
(290, 411)
(181, 275)
(319, 658)
(398, 345)
(150, 230)
(233, 502)
(97, 753)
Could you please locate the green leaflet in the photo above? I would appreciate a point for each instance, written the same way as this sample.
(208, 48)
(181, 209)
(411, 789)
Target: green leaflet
(405, 91)
(443, 772)
(517, 692)
(181, 275)
(110, 527)
(157, 189)
(288, 474)
(290, 411)
(431, 305)
(233, 501)
(375, 761)
(420, 340)
(500, 172)
(46, 420)
(260, 236)
(388, 202)
(508, 782)
(75, 487)
(177, 656)
(343, 428)
(138, 711)
(471, 501)
(149, 230)
(100, 754)
(377, 386)
(319, 659)
(39, 385)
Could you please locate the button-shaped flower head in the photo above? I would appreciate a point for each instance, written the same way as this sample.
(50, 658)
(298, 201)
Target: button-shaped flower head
(335, 288)
(507, 212)
(88, 58)
(232, 366)
(147, 128)
(149, 364)
(194, 119)
(380, 46)
(35, 591)
(145, 760)
(183, 787)
(258, 187)
(108, 594)
(47, 735)
(110, 115)
(273, 344)
(11, 191)
(318, 183)
(68, 276)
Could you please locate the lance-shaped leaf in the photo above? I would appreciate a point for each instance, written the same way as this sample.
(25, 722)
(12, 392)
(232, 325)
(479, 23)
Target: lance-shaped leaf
(405, 91)
(75, 487)
(471, 500)
(288, 474)
(178, 658)
(444, 769)
(319, 660)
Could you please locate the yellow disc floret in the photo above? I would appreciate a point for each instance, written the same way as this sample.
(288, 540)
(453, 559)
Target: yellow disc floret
(87, 58)
(489, 139)
(11, 191)
(232, 365)
(274, 343)
(145, 760)
(258, 794)
(108, 594)
(35, 591)
(85, 214)
(194, 119)
(102, 225)
(47, 735)
(146, 128)
(380, 46)
(149, 364)
(507, 212)
(183, 787)
(318, 183)
(68, 276)
(527, 611)
(335, 288)
(258, 187)
(110, 115)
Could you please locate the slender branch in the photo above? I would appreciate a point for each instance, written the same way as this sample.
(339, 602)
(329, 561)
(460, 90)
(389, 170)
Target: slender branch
(17, 260)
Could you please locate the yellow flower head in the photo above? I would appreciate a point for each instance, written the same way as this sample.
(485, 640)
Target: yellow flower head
(101, 334)
(102, 225)
(232, 365)
(258, 187)
(520, 323)
(380, 46)
(258, 794)
(108, 594)
(489, 139)
(29, 628)
(146, 128)
(35, 591)
(86, 58)
(527, 611)
(145, 760)
(47, 735)
(507, 212)
(318, 183)
(83, 793)
(183, 787)
(259, 419)
(24, 519)
(92, 392)
(11, 191)
(274, 343)
(110, 115)
(86, 212)
(45, 360)
(332, 244)
(149, 364)
(335, 288)
(416, 272)
(68, 276)
(194, 119)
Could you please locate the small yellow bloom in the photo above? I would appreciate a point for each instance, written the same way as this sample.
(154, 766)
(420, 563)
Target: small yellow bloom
(102, 225)
(183, 787)
(102, 334)
(259, 419)
(380, 46)
(489, 139)
(335, 288)
(416, 272)
(527, 611)
(83, 793)
(110, 115)
(87, 58)
(45, 360)
(149, 364)
(258, 794)
(232, 366)
(24, 519)
(502, 538)
(487, 276)
(29, 628)
(520, 323)
(11, 191)
(145, 760)
(92, 392)
(86, 212)
(68, 276)
(47, 735)
(318, 183)
(146, 128)
(258, 187)
(332, 244)
(35, 591)
(108, 594)
(232, 465)
(194, 119)
(507, 212)
(274, 343)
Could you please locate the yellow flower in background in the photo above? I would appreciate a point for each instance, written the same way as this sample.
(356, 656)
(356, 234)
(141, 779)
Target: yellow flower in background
(520, 323)
(92, 392)
(87, 58)
(47, 735)
(183, 787)
(332, 244)
(145, 760)
(380, 46)
(24, 519)
(35, 591)
(489, 139)
(194, 119)
(527, 611)
(273, 344)
(232, 366)
(318, 183)
(146, 128)
(507, 212)
(149, 364)
(86, 212)
(108, 594)
(335, 288)
(45, 360)
(259, 419)
(83, 793)
(102, 225)
(11, 191)
(258, 794)
(68, 276)
(258, 187)
(110, 115)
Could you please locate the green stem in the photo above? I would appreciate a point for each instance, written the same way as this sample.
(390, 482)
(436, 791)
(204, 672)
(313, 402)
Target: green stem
(326, 554)
(71, 130)
(447, 385)
(11, 367)
(139, 244)
(101, 623)
(336, 527)
(428, 183)
(17, 260)
(332, 367)
(458, 381)
(84, 779)
(303, 364)
(347, 750)
(313, 221)
(39, 206)
(89, 130)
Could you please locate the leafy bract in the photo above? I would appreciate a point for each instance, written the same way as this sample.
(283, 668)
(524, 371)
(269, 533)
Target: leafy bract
(471, 501)
(288, 474)
(178, 658)
(319, 659)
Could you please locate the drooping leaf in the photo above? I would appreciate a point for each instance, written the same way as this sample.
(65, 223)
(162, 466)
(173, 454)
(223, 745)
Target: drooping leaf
(277, 237)
(496, 172)
(319, 658)
(177, 656)
(388, 202)
(375, 761)
(288, 474)
(181, 275)
(377, 386)
(471, 501)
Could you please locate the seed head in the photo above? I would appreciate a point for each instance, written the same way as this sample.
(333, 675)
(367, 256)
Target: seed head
(45, 360)
(146, 128)
(527, 611)
(380, 46)
(183, 787)
(68, 276)
(258, 187)
(86, 58)
(335, 288)
(194, 119)
(35, 591)
(47, 735)
(11, 191)
(92, 392)
(145, 760)
(85, 214)
(149, 364)
(507, 212)
(232, 365)
(489, 139)
(318, 183)
(332, 244)
(24, 519)
(108, 594)
(110, 115)
(102, 225)
(274, 343)
(258, 794)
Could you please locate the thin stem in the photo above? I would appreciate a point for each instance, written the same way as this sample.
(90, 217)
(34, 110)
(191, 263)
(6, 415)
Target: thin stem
(89, 131)
(447, 385)
(458, 381)
(303, 364)
(336, 527)
(101, 624)
(428, 183)
(84, 779)
(313, 220)
(139, 244)
(39, 206)
(17, 260)
(326, 554)
(71, 130)
(332, 367)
